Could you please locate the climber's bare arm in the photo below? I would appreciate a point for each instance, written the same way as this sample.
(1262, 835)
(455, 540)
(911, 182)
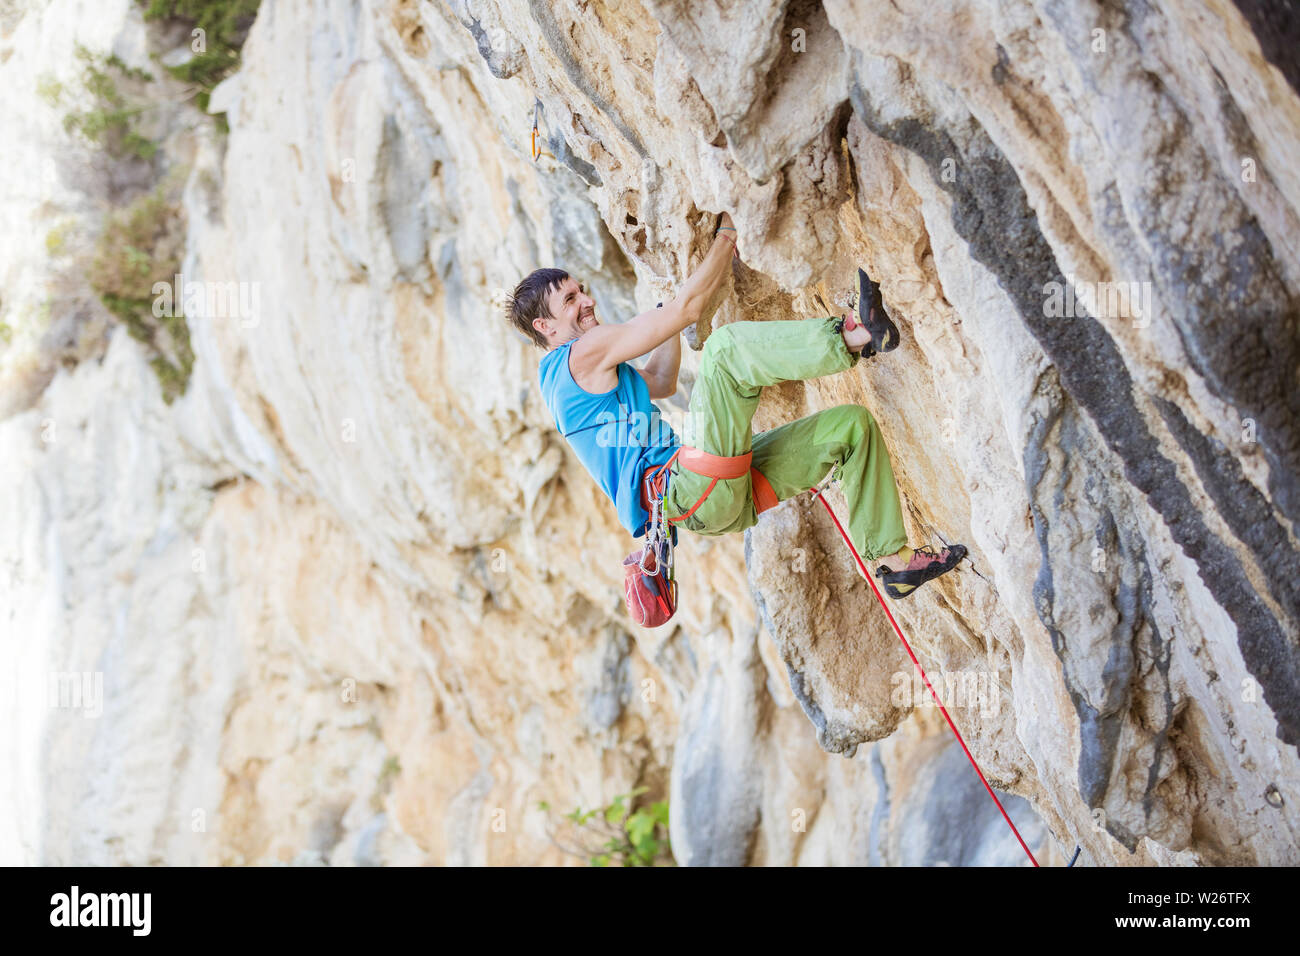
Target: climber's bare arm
(605, 346)
(660, 373)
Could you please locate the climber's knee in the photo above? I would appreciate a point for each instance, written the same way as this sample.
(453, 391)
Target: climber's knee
(850, 422)
(718, 338)
(859, 416)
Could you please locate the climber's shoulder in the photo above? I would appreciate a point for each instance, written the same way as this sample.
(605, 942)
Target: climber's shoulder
(589, 361)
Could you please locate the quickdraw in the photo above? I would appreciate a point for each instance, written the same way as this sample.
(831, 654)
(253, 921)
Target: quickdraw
(537, 109)
(659, 540)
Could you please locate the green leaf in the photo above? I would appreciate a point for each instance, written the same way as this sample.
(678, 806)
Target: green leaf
(640, 825)
(645, 846)
(615, 811)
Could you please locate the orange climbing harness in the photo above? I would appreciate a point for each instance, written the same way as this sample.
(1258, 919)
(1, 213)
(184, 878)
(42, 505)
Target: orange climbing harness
(717, 467)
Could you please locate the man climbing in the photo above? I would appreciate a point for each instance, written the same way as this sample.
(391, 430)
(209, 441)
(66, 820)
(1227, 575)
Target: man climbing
(716, 487)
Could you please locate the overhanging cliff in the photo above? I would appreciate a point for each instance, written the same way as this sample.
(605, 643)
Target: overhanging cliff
(356, 544)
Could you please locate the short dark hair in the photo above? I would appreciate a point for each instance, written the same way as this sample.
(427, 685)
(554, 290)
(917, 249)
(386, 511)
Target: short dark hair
(529, 302)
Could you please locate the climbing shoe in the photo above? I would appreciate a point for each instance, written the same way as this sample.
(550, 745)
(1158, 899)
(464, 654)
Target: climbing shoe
(884, 333)
(924, 566)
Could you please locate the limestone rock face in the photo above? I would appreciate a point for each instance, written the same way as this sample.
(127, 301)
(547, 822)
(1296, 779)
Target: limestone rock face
(352, 600)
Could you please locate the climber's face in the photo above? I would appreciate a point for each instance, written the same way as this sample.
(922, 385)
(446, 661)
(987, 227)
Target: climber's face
(574, 312)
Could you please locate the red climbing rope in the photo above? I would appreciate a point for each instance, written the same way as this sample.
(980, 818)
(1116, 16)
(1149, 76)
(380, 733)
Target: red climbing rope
(897, 630)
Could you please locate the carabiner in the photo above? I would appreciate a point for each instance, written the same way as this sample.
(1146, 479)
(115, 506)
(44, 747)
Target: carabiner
(537, 108)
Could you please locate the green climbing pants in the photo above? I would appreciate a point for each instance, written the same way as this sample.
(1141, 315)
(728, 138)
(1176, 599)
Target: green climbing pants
(737, 361)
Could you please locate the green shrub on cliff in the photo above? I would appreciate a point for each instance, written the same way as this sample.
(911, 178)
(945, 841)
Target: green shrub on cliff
(224, 25)
(142, 244)
(111, 118)
(631, 837)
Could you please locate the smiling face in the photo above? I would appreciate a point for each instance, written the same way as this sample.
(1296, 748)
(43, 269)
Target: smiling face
(573, 311)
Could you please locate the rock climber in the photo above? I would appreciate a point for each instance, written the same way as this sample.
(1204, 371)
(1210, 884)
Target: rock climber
(720, 482)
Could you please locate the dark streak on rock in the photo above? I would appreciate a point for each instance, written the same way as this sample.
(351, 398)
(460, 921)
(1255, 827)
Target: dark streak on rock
(1241, 505)
(1277, 28)
(484, 44)
(880, 814)
(1234, 315)
(1000, 71)
(1100, 724)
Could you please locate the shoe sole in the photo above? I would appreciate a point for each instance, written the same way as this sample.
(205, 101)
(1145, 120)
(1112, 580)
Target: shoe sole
(884, 333)
(958, 552)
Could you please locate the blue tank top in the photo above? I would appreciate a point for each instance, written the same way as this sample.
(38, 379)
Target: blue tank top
(616, 435)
